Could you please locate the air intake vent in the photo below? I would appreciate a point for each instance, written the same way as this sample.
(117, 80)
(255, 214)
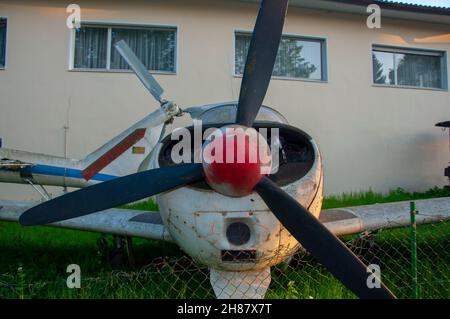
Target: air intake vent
(238, 233)
(239, 256)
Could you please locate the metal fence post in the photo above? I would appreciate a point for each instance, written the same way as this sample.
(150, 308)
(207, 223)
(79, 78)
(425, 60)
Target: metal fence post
(415, 292)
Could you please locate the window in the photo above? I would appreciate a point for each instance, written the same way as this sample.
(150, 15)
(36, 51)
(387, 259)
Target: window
(299, 58)
(90, 48)
(154, 46)
(2, 43)
(409, 67)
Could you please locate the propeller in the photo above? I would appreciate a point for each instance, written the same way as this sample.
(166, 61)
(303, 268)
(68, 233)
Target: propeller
(242, 178)
(260, 60)
(319, 241)
(112, 152)
(112, 193)
(141, 71)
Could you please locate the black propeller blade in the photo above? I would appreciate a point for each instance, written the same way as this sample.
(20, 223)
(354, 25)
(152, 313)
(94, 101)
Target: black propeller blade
(112, 193)
(260, 59)
(319, 241)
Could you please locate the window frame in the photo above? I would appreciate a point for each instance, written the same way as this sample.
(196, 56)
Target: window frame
(324, 55)
(123, 25)
(2, 68)
(442, 53)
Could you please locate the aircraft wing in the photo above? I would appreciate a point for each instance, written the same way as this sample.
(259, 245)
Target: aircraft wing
(341, 221)
(352, 220)
(115, 221)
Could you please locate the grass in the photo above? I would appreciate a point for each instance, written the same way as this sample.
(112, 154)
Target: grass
(371, 197)
(33, 262)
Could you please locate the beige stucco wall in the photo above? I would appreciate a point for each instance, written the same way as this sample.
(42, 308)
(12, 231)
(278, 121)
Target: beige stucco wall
(370, 136)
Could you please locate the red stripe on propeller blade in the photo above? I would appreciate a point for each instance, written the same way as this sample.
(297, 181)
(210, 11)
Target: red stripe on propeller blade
(113, 153)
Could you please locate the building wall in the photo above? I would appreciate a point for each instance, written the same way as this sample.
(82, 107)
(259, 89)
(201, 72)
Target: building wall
(370, 137)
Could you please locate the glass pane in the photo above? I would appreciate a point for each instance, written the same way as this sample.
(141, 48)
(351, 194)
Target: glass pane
(155, 48)
(383, 67)
(418, 70)
(296, 58)
(2, 42)
(299, 59)
(90, 48)
(242, 44)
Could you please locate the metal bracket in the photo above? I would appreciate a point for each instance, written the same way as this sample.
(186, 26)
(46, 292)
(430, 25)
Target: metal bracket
(42, 191)
(171, 109)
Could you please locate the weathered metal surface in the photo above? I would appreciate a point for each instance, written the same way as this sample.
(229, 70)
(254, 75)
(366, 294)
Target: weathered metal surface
(22, 174)
(113, 153)
(148, 218)
(122, 222)
(226, 113)
(127, 162)
(30, 158)
(12, 164)
(390, 215)
(199, 226)
(113, 159)
(141, 71)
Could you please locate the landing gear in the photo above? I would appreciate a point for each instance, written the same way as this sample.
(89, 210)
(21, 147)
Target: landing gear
(122, 254)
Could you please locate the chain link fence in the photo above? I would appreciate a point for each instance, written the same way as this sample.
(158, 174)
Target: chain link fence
(300, 276)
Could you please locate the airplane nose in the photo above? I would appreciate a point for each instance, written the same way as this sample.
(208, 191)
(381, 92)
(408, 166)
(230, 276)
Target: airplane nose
(235, 160)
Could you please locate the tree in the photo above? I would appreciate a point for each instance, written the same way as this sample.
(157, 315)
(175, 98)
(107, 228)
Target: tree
(290, 61)
(378, 72)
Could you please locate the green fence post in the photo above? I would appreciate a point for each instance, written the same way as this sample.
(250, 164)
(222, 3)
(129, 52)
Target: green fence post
(415, 292)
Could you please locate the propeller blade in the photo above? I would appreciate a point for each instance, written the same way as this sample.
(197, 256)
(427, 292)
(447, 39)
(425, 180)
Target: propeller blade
(112, 193)
(260, 59)
(141, 71)
(319, 241)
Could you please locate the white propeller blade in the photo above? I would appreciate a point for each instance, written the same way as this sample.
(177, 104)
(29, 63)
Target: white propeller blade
(141, 71)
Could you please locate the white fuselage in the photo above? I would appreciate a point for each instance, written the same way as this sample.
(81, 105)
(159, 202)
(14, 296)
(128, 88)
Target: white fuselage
(198, 220)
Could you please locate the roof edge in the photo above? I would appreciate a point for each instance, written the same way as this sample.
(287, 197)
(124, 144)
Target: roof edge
(417, 8)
